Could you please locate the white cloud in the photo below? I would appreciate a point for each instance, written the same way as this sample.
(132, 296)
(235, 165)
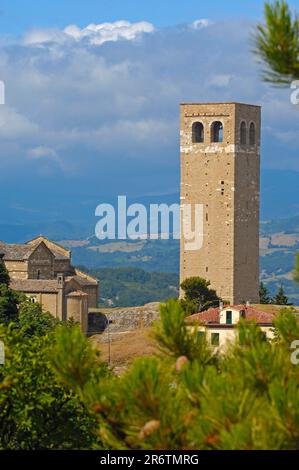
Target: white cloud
(201, 23)
(99, 33)
(95, 34)
(15, 125)
(40, 36)
(42, 152)
(220, 80)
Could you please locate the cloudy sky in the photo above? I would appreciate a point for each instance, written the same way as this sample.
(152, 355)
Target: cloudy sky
(92, 92)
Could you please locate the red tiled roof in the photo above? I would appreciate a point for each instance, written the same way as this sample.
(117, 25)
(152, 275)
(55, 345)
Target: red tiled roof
(212, 316)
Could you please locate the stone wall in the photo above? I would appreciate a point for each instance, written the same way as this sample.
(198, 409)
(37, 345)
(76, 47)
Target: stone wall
(17, 269)
(122, 319)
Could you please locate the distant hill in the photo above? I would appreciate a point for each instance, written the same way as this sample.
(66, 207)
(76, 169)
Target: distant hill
(68, 220)
(64, 214)
(123, 287)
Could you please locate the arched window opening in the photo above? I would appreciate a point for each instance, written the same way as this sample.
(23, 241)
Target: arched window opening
(217, 132)
(252, 134)
(243, 130)
(197, 133)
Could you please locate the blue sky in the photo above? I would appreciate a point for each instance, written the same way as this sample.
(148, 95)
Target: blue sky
(94, 111)
(19, 15)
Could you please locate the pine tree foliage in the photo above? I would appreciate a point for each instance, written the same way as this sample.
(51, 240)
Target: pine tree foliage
(281, 298)
(189, 397)
(36, 410)
(198, 295)
(277, 43)
(264, 295)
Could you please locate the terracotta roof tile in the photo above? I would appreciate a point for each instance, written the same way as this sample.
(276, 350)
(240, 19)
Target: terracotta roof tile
(212, 316)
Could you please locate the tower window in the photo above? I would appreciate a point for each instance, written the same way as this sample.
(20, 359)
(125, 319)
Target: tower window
(217, 132)
(197, 133)
(252, 134)
(243, 138)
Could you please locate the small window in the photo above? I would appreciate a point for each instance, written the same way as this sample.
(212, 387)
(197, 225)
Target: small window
(243, 131)
(229, 317)
(215, 339)
(252, 134)
(197, 133)
(217, 132)
(242, 314)
(200, 336)
(38, 274)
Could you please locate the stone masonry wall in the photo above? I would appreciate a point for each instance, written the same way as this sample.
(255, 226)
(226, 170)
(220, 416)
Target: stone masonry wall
(123, 319)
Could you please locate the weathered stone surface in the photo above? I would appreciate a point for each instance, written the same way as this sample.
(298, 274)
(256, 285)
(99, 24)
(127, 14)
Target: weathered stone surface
(223, 177)
(122, 319)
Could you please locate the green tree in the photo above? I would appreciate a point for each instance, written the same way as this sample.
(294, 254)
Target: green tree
(36, 410)
(33, 321)
(245, 399)
(175, 338)
(4, 276)
(264, 294)
(9, 299)
(277, 43)
(9, 302)
(198, 295)
(280, 298)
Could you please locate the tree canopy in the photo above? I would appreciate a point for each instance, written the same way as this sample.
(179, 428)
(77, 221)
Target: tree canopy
(277, 43)
(198, 295)
(190, 397)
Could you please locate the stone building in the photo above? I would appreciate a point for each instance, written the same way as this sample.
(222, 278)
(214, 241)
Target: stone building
(43, 270)
(220, 170)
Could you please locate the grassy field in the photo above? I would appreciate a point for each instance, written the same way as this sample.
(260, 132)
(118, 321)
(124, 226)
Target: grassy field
(125, 347)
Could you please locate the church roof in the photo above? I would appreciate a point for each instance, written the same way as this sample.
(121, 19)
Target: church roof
(16, 252)
(34, 285)
(21, 252)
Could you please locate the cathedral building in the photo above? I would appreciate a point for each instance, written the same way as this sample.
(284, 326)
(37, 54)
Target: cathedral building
(43, 271)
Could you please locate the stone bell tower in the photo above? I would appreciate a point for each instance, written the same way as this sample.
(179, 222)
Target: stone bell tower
(220, 170)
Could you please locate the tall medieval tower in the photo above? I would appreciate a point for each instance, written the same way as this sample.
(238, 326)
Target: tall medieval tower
(220, 169)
